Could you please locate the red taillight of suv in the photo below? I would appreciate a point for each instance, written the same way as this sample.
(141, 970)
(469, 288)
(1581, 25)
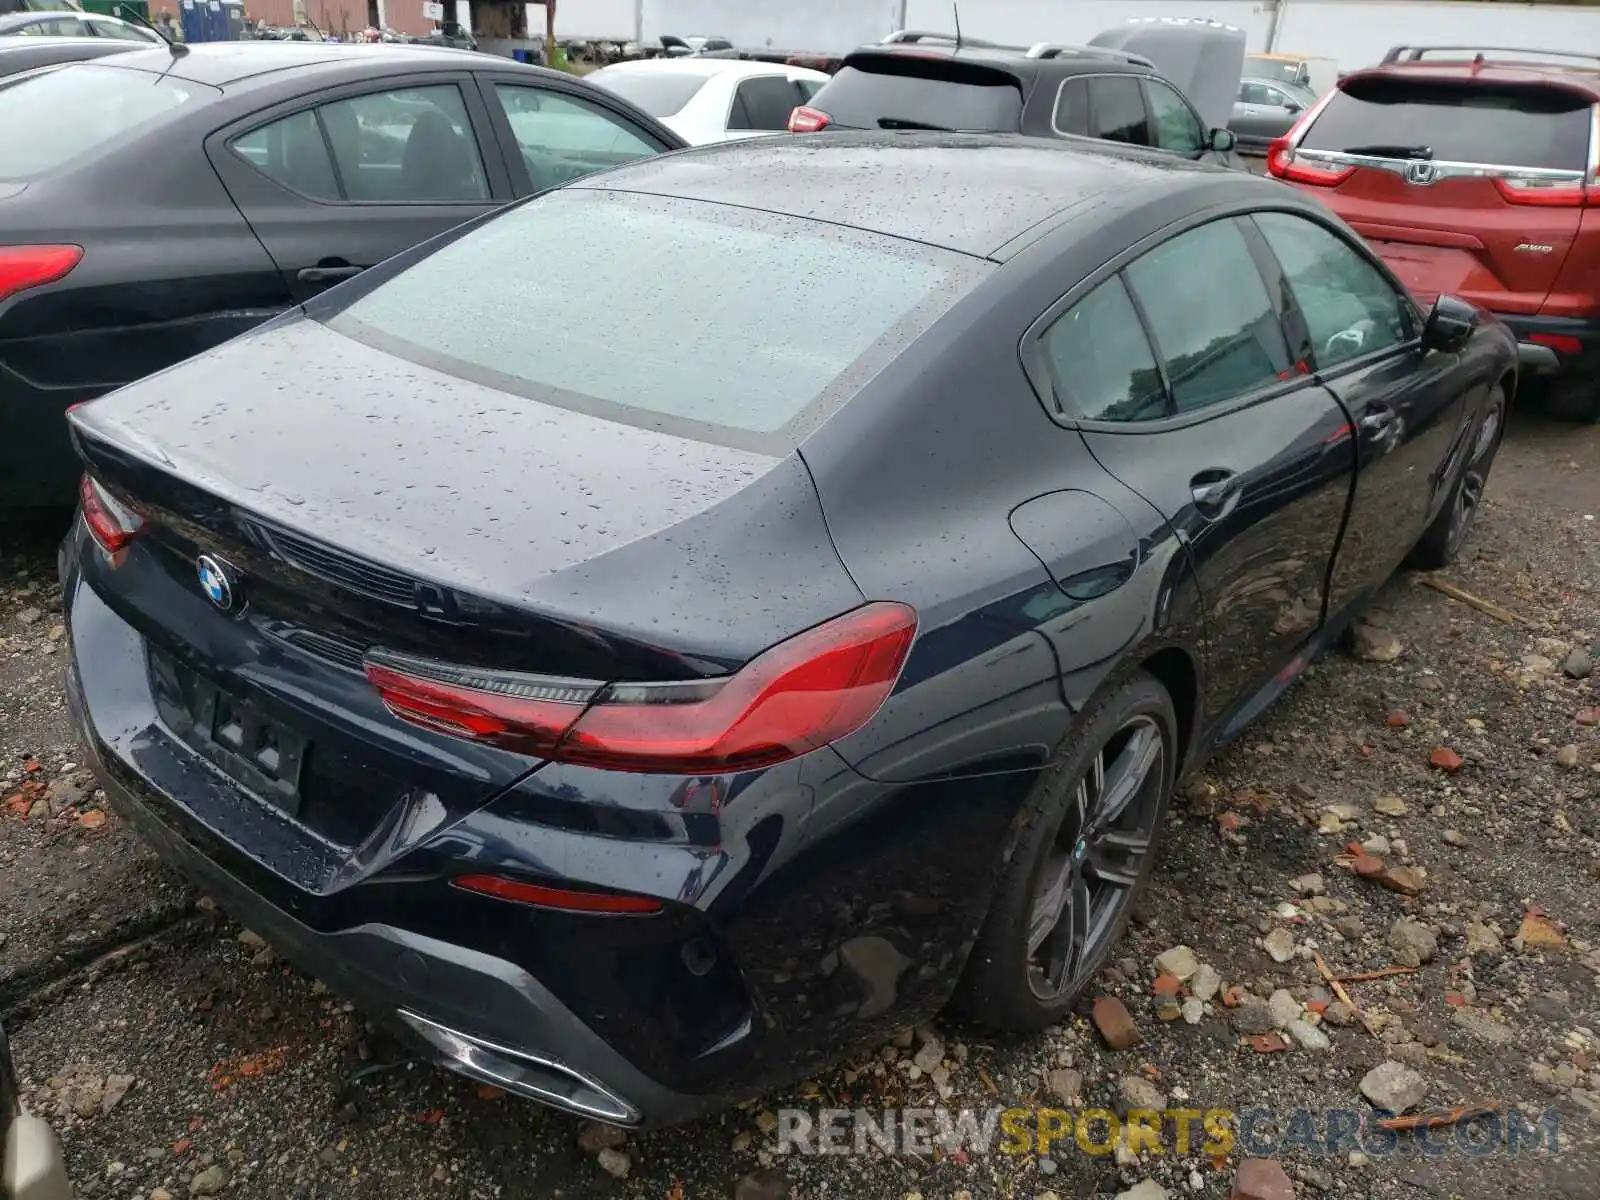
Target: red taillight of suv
(803, 693)
(1545, 193)
(1281, 164)
(111, 523)
(808, 120)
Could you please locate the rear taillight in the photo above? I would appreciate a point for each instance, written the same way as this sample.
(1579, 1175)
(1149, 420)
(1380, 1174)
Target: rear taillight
(111, 523)
(815, 688)
(808, 120)
(1561, 343)
(1282, 164)
(1544, 192)
(23, 267)
(567, 899)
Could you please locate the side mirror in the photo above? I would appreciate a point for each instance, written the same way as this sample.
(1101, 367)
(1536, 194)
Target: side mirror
(1450, 324)
(1294, 106)
(1222, 140)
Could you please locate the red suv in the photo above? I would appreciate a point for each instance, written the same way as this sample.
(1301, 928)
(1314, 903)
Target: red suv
(1472, 172)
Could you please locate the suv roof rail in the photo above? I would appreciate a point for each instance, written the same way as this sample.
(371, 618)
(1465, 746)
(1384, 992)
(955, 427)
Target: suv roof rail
(1067, 50)
(1403, 54)
(900, 36)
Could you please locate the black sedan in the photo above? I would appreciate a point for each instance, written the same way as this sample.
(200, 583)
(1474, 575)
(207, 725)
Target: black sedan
(820, 654)
(158, 203)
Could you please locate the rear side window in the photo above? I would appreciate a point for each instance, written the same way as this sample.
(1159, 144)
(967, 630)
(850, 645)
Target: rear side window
(1489, 124)
(49, 120)
(921, 94)
(1100, 360)
(764, 102)
(1119, 114)
(1209, 315)
(777, 318)
(1072, 108)
(659, 93)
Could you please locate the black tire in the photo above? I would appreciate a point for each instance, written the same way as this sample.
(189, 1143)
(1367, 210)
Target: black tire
(1573, 399)
(1442, 541)
(1000, 987)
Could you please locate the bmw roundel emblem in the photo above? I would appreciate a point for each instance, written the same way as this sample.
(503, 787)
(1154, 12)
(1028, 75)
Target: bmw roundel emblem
(217, 581)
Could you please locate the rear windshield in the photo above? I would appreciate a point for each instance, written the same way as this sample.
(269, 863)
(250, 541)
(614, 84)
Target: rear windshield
(699, 319)
(659, 93)
(1456, 122)
(48, 120)
(1273, 68)
(921, 94)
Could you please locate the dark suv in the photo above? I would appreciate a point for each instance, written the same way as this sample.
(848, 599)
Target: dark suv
(931, 81)
(1472, 172)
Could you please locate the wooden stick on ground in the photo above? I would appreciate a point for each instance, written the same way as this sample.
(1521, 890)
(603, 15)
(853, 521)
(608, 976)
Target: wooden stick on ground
(1456, 592)
(1338, 990)
(1466, 1112)
(1369, 976)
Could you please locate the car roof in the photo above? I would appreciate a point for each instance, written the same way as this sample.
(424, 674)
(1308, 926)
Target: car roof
(972, 193)
(707, 67)
(220, 64)
(23, 44)
(1573, 77)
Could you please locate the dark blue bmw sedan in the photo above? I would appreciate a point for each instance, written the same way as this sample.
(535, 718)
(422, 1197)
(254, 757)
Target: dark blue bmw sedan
(646, 680)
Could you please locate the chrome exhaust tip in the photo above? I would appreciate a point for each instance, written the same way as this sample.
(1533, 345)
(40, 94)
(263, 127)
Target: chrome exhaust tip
(523, 1074)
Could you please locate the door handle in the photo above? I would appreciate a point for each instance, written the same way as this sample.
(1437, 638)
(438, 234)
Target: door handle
(327, 274)
(1214, 492)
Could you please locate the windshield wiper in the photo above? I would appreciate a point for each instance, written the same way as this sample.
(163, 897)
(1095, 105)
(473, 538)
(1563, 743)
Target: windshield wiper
(905, 123)
(1390, 150)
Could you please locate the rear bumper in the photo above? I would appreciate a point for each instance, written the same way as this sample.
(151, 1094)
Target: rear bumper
(33, 1168)
(463, 1009)
(1573, 342)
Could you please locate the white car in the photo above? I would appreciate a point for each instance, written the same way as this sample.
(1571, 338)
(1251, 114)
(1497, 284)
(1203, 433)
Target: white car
(707, 100)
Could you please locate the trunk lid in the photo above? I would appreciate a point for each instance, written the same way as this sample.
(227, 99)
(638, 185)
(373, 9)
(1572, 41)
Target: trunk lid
(385, 503)
(1450, 180)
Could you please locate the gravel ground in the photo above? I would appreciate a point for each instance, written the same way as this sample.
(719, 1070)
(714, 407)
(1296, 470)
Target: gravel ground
(179, 1057)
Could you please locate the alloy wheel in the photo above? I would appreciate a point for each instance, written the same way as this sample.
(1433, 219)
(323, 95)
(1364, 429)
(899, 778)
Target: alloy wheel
(1093, 867)
(1469, 494)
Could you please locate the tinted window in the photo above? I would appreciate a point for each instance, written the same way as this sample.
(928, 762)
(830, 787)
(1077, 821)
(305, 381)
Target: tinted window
(563, 138)
(659, 93)
(410, 145)
(945, 96)
(1101, 362)
(49, 120)
(1209, 314)
(764, 103)
(1457, 122)
(1350, 309)
(1072, 108)
(1259, 93)
(293, 153)
(681, 312)
(1176, 127)
(56, 27)
(115, 29)
(1119, 114)
(1275, 68)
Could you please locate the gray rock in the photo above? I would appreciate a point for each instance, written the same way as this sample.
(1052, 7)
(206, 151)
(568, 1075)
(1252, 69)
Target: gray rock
(614, 1163)
(1373, 644)
(210, 1181)
(1393, 1087)
(1579, 664)
(1339, 1014)
(1308, 1036)
(1480, 1026)
(1179, 961)
(29, 616)
(1351, 927)
(1206, 983)
(1280, 945)
(1194, 1010)
(1139, 1092)
(1284, 1008)
(930, 1055)
(1481, 939)
(1308, 885)
(1253, 1016)
(595, 1136)
(1413, 943)
(1066, 1085)
(1145, 1189)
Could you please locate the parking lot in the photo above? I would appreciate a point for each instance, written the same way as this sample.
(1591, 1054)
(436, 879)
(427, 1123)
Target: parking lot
(225, 1064)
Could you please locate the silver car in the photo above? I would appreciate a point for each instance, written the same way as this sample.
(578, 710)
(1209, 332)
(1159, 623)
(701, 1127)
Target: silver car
(1264, 110)
(31, 1167)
